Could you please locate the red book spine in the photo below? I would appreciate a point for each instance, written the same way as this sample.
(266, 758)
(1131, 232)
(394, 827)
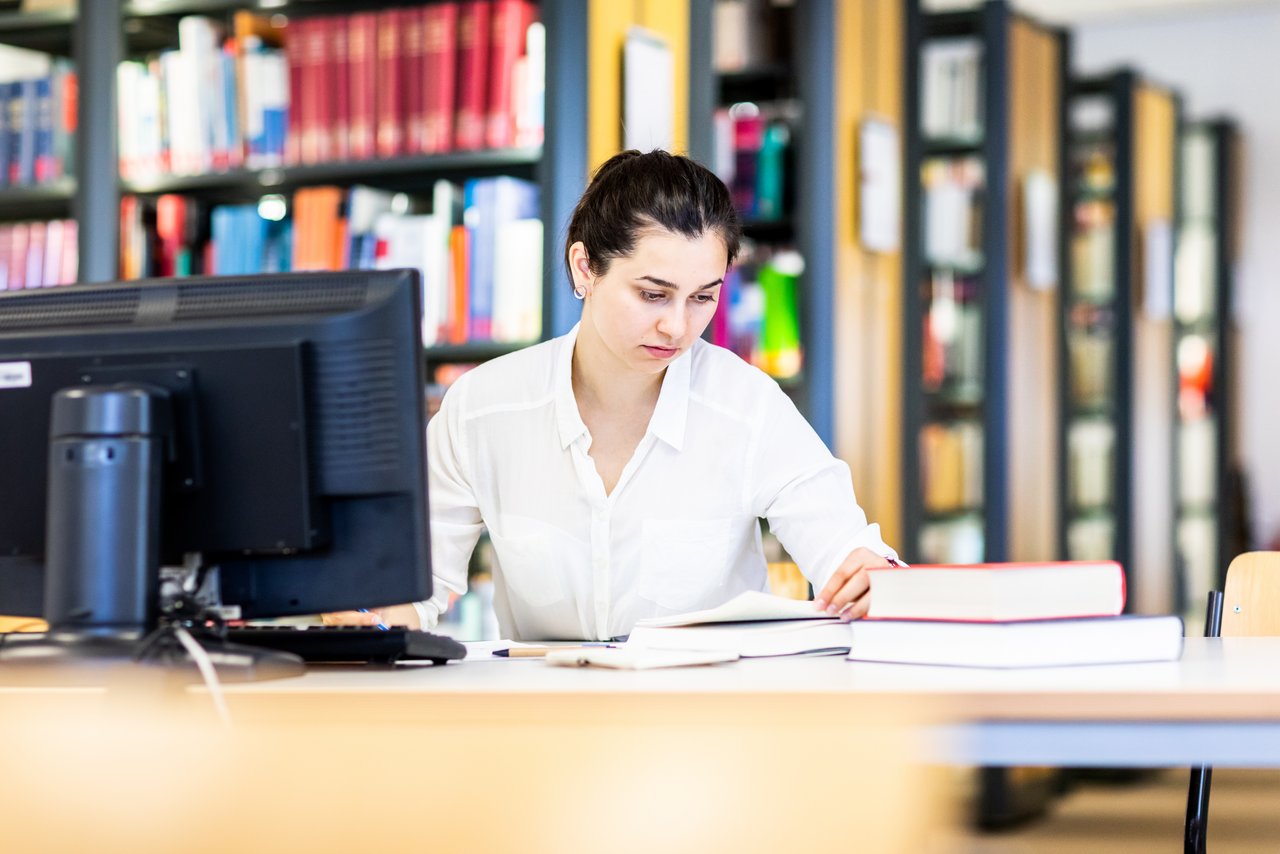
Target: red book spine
(439, 69)
(295, 41)
(473, 62)
(389, 114)
(362, 44)
(510, 20)
(315, 73)
(411, 80)
(338, 87)
(18, 257)
(171, 226)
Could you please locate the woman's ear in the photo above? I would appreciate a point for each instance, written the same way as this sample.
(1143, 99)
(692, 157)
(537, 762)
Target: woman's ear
(580, 264)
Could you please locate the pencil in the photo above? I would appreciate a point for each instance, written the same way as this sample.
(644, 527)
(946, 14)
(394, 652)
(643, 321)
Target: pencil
(541, 651)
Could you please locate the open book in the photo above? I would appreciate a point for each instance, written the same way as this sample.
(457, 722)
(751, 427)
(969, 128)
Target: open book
(752, 625)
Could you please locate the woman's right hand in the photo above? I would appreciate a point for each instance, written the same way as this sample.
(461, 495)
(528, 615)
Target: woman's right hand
(351, 618)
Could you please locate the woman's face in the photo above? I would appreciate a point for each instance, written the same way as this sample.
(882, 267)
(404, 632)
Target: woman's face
(652, 305)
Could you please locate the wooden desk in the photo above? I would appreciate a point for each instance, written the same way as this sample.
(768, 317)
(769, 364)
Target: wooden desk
(516, 755)
(1220, 704)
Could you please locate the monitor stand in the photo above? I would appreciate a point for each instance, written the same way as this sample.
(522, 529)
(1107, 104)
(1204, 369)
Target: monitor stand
(102, 567)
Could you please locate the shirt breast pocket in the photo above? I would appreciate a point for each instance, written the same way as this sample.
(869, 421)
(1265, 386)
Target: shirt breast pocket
(532, 556)
(686, 562)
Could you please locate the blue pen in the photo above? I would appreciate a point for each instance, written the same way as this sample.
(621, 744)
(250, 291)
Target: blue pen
(382, 626)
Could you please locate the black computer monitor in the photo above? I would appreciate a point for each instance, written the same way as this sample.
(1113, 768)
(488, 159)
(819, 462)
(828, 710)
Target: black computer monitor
(270, 429)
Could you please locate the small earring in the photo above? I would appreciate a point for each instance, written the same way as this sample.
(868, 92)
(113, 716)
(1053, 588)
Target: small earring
(579, 293)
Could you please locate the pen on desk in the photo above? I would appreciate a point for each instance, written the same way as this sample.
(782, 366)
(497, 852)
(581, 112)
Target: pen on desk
(541, 651)
(382, 626)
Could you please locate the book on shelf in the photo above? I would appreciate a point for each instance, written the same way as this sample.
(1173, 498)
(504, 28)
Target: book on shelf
(1091, 454)
(959, 540)
(404, 80)
(38, 96)
(481, 278)
(997, 592)
(752, 625)
(1034, 643)
(758, 315)
(37, 254)
(950, 88)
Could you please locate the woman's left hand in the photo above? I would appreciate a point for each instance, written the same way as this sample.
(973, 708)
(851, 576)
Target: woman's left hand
(846, 592)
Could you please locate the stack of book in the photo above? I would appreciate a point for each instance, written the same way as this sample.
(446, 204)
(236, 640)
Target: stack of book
(989, 616)
(1008, 615)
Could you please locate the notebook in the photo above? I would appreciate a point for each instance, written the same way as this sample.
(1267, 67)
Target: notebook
(752, 625)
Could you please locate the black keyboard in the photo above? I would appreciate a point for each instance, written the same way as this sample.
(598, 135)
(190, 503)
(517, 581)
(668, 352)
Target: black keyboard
(351, 643)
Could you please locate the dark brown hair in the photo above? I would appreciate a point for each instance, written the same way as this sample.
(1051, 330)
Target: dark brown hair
(635, 191)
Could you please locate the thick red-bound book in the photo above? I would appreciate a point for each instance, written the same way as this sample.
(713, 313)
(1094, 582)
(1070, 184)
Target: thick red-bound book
(411, 80)
(511, 19)
(439, 73)
(473, 66)
(998, 592)
(362, 47)
(337, 76)
(389, 103)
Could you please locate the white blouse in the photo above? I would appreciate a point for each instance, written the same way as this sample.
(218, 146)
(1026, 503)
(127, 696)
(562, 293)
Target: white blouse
(680, 531)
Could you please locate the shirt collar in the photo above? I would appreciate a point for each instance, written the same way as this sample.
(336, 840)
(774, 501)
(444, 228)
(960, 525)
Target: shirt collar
(669, 415)
(568, 419)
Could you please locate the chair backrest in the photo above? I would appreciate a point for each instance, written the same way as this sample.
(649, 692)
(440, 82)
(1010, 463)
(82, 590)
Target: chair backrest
(1251, 601)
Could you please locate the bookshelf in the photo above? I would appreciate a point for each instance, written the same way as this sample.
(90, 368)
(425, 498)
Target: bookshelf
(756, 71)
(1115, 336)
(106, 32)
(983, 258)
(1204, 336)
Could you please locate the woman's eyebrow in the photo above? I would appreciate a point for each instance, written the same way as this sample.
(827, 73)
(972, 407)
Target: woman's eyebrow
(663, 283)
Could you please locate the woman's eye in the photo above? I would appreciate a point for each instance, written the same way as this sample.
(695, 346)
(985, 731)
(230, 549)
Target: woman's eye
(704, 298)
(651, 296)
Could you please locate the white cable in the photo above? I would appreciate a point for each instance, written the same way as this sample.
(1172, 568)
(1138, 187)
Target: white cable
(205, 666)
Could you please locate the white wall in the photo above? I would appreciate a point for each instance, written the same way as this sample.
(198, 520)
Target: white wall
(1228, 63)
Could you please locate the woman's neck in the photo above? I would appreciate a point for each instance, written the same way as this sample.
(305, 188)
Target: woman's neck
(602, 383)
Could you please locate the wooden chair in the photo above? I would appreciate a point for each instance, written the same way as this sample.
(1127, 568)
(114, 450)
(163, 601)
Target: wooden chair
(1250, 605)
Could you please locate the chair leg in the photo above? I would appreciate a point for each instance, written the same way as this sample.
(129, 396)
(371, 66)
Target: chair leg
(1197, 830)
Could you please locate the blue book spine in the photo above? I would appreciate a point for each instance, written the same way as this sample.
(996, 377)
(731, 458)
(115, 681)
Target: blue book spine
(6, 144)
(44, 166)
(23, 169)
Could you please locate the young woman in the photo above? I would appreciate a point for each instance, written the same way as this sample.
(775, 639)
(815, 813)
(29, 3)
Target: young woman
(621, 469)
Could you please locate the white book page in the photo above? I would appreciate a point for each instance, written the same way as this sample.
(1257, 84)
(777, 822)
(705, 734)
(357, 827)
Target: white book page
(751, 605)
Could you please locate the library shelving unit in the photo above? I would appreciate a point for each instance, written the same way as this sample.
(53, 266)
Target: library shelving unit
(105, 32)
(1204, 422)
(778, 86)
(1115, 445)
(983, 257)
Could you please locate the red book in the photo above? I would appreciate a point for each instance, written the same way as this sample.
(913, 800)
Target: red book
(337, 74)
(439, 70)
(70, 266)
(511, 19)
(473, 65)
(35, 255)
(18, 256)
(171, 229)
(411, 79)
(998, 592)
(362, 47)
(295, 42)
(6, 248)
(388, 106)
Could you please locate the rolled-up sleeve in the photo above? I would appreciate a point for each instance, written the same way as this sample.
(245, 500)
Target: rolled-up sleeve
(455, 521)
(806, 493)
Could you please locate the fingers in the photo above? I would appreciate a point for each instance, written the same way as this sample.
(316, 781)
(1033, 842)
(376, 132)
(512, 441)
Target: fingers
(846, 589)
(351, 618)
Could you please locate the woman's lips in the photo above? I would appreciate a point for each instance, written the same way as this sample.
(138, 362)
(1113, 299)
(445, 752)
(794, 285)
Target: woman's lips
(661, 352)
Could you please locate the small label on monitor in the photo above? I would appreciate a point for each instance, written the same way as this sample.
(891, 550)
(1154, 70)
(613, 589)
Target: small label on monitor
(15, 375)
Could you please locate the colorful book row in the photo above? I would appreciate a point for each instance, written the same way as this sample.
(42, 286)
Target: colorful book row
(450, 76)
(38, 254)
(478, 246)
